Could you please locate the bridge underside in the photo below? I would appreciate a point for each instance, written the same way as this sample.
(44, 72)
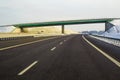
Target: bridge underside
(68, 22)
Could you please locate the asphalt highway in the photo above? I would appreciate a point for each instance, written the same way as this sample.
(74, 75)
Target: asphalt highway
(71, 57)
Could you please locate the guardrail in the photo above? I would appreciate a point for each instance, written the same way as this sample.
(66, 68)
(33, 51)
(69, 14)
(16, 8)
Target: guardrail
(109, 40)
(15, 38)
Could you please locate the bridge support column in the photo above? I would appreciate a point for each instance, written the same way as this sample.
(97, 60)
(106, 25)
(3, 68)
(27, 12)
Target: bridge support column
(22, 30)
(108, 25)
(63, 29)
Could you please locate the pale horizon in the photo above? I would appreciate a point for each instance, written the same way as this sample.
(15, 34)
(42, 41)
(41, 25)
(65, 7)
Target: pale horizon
(27, 11)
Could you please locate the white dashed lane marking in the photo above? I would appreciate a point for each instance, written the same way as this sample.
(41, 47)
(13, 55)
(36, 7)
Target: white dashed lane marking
(61, 43)
(53, 48)
(27, 68)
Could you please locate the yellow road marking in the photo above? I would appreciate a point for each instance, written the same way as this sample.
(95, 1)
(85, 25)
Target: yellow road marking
(53, 48)
(27, 68)
(105, 54)
(23, 44)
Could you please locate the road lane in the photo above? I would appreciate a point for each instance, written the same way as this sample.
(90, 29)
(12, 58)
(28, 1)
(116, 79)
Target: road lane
(16, 59)
(102, 52)
(23, 44)
(8, 43)
(112, 50)
(73, 60)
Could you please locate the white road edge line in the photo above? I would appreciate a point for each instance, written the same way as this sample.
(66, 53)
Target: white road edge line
(24, 44)
(105, 54)
(61, 43)
(27, 68)
(53, 48)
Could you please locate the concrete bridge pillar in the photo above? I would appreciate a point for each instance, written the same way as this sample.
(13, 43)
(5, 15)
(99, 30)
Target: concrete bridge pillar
(108, 25)
(21, 28)
(63, 30)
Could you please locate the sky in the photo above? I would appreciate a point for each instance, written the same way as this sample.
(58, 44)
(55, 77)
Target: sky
(26, 11)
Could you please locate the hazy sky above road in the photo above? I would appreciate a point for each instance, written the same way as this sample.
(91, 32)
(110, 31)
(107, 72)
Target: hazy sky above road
(24, 11)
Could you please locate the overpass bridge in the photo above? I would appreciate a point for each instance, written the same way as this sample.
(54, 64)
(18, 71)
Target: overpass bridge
(67, 22)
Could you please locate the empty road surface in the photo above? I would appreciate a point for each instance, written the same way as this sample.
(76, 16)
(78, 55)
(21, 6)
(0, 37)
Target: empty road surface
(71, 57)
